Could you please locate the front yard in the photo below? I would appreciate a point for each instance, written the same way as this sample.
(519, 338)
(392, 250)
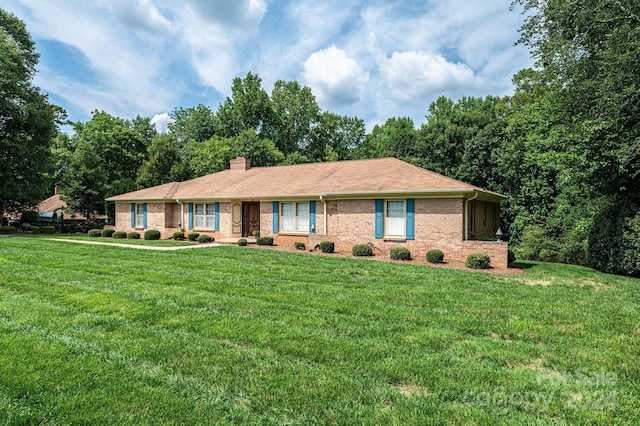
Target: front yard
(98, 334)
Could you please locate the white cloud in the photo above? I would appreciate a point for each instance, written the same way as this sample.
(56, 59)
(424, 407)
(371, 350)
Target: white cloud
(161, 121)
(334, 77)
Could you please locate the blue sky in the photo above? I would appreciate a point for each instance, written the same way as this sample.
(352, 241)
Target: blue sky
(370, 59)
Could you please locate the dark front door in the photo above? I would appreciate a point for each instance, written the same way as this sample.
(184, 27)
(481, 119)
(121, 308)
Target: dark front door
(250, 218)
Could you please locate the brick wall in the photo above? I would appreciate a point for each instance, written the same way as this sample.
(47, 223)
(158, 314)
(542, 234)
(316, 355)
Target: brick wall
(498, 252)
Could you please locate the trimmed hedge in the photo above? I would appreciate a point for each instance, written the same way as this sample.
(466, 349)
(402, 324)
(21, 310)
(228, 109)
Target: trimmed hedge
(264, 241)
(193, 236)
(108, 233)
(133, 235)
(7, 229)
(435, 256)
(34, 229)
(119, 235)
(48, 229)
(478, 261)
(204, 238)
(152, 234)
(327, 246)
(400, 253)
(299, 245)
(362, 250)
(178, 236)
(94, 233)
(242, 242)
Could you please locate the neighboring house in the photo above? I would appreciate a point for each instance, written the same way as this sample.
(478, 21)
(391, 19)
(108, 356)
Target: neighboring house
(54, 209)
(385, 202)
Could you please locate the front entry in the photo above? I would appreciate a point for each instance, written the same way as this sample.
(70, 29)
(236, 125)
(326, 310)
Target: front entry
(250, 218)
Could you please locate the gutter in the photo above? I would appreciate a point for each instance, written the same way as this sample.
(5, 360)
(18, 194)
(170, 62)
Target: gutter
(466, 215)
(181, 214)
(324, 213)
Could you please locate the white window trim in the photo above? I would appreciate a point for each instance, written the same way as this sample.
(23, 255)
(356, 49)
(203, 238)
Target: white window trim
(207, 214)
(385, 226)
(294, 217)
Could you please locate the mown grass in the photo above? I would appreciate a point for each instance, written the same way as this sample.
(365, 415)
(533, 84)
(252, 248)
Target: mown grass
(230, 335)
(141, 241)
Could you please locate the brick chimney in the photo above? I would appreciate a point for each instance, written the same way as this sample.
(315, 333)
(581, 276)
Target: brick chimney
(240, 163)
(56, 188)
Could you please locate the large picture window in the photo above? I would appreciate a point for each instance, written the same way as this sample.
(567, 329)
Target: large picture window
(204, 216)
(395, 219)
(294, 217)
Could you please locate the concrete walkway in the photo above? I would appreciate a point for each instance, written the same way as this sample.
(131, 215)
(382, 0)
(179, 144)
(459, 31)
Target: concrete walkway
(136, 246)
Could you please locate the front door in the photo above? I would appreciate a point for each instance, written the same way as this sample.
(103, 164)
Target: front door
(250, 218)
(236, 220)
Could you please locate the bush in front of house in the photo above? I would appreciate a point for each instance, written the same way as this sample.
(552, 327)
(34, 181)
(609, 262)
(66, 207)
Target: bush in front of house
(478, 261)
(34, 229)
(152, 234)
(264, 241)
(7, 229)
(242, 242)
(299, 245)
(178, 236)
(108, 233)
(48, 229)
(119, 235)
(132, 235)
(327, 246)
(193, 236)
(94, 233)
(435, 256)
(362, 250)
(204, 238)
(400, 253)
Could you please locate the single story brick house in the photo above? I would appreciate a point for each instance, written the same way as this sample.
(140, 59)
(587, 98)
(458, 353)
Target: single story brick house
(385, 202)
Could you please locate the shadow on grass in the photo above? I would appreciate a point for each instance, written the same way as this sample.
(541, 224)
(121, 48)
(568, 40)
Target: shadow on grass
(521, 265)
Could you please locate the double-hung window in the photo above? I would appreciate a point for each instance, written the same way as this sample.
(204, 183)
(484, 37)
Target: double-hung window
(294, 217)
(204, 216)
(139, 215)
(395, 219)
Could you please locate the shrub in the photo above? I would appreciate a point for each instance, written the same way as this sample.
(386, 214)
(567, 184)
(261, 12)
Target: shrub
(34, 229)
(264, 241)
(94, 233)
(7, 229)
(327, 246)
(152, 234)
(478, 261)
(178, 236)
(204, 238)
(29, 217)
(73, 227)
(119, 235)
(242, 242)
(108, 233)
(400, 253)
(256, 234)
(299, 245)
(132, 235)
(48, 229)
(536, 245)
(362, 250)
(435, 256)
(511, 256)
(193, 236)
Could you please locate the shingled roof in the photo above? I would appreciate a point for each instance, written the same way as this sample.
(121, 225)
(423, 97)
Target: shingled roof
(332, 179)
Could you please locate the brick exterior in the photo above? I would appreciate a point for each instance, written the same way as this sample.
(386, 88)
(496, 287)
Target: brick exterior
(439, 224)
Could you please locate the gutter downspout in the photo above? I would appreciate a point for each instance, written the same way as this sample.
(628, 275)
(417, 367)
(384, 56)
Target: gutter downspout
(466, 215)
(181, 214)
(324, 213)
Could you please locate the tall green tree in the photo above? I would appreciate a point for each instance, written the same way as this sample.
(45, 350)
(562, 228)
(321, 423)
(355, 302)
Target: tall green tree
(194, 124)
(336, 137)
(28, 122)
(84, 185)
(397, 137)
(164, 163)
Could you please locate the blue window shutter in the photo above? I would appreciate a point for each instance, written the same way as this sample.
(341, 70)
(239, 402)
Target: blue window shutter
(379, 217)
(411, 221)
(217, 216)
(133, 215)
(144, 215)
(312, 217)
(276, 205)
(190, 216)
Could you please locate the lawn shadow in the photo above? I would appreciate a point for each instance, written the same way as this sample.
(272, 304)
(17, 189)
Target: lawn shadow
(521, 265)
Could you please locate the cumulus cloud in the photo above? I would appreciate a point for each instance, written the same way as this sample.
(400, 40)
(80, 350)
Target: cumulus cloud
(335, 78)
(413, 74)
(161, 121)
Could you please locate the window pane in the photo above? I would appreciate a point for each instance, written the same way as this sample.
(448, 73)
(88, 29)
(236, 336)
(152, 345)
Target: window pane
(210, 222)
(287, 223)
(302, 224)
(211, 209)
(302, 209)
(139, 219)
(395, 208)
(199, 221)
(287, 209)
(395, 226)
(199, 209)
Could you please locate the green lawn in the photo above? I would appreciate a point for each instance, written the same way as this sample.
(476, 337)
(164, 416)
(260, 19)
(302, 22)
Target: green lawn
(236, 335)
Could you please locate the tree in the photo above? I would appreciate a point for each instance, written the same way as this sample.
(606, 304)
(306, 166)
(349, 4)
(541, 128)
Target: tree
(28, 122)
(336, 137)
(397, 137)
(210, 156)
(262, 152)
(84, 184)
(195, 124)
(294, 115)
(164, 163)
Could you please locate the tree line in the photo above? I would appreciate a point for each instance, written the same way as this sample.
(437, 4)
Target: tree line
(564, 147)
